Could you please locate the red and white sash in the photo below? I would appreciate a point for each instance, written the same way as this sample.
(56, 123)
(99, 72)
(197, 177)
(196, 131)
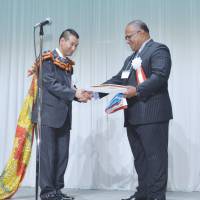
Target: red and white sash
(140, 74)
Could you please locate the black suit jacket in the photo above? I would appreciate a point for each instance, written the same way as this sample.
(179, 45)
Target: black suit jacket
(56, 98)
(152, 104)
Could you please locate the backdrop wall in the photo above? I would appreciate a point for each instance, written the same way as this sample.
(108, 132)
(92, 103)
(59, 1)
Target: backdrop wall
(100, 156)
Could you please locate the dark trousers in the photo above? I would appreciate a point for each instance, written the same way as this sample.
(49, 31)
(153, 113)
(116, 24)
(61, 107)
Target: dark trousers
(54, 152)
(149, 145)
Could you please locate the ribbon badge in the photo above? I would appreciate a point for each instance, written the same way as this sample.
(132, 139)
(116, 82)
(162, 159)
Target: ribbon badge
(137, 66)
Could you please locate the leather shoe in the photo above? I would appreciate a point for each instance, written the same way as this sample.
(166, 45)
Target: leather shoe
(64, 196)
(133, 197)
(51, 196)
(153, 199)
(159, 198)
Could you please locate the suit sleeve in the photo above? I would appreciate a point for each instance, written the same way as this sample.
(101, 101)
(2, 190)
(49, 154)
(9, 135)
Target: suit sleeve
(160, 62)
(116, 79)
(53, 85)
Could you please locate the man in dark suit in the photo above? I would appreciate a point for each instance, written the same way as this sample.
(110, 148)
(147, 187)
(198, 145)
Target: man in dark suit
(149, 109)
(56, 114)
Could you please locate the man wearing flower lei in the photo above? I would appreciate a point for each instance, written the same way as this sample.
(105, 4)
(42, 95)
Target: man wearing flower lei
(57, 97)
(146, 73)
(56, 114)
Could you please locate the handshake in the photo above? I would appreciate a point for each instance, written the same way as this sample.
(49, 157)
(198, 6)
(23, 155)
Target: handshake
(83, 95)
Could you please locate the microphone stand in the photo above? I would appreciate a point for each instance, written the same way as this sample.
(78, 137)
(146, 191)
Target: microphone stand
(38, 127)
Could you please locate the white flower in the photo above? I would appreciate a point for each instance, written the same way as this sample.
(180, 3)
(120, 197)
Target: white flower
(136, 63)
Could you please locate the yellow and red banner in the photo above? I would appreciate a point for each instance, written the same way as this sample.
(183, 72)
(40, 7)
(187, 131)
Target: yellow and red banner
(15, 169)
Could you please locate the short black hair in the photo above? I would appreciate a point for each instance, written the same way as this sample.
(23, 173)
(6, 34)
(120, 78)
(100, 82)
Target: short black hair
(66, 33)
(140, 24)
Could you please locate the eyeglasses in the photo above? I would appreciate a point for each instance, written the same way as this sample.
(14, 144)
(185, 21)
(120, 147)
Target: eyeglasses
(129, 37)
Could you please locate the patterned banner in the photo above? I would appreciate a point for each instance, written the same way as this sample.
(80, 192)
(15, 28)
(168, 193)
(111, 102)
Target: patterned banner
(15, 169)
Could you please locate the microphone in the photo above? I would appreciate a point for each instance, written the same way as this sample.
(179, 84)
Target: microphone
(45, 22)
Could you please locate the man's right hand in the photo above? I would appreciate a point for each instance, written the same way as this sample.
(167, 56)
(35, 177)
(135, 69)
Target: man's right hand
(83, 95)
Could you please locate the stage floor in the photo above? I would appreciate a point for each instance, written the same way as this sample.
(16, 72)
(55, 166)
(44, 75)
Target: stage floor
(26, 193)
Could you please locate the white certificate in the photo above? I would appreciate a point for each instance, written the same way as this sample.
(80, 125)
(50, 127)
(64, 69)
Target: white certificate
(108, 88)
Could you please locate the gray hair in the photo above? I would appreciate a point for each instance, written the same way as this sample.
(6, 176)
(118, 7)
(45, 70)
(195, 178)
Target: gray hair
(140, 24)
